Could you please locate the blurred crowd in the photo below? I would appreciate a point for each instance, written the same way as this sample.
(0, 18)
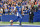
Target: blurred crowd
(11, 7)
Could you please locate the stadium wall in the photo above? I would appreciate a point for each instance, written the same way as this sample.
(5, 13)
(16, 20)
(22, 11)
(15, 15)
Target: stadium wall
(25, 18)
(7, 18)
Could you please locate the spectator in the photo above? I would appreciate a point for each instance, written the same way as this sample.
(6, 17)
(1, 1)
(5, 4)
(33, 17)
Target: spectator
(1, 11)
(6, 11)
(31, 14)
(5, 5)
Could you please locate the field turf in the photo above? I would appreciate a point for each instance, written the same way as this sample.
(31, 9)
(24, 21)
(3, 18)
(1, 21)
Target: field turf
(34, 23)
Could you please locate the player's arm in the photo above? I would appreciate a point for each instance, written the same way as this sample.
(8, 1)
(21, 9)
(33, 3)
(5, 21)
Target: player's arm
(16, 10)
(22, 12)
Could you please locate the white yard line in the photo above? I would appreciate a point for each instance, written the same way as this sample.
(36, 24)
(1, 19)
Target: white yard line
(22, 24)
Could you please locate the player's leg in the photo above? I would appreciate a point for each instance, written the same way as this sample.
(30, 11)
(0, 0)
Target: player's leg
(20, 21)
(16, 19)
(20, 16)
(32, 19)
(29, 19)
(11, 21)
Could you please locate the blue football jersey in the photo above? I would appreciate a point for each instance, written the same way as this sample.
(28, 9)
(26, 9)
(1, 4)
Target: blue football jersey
(19, 8)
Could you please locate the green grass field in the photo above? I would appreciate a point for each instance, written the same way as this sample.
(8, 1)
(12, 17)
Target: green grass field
(34, 23)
